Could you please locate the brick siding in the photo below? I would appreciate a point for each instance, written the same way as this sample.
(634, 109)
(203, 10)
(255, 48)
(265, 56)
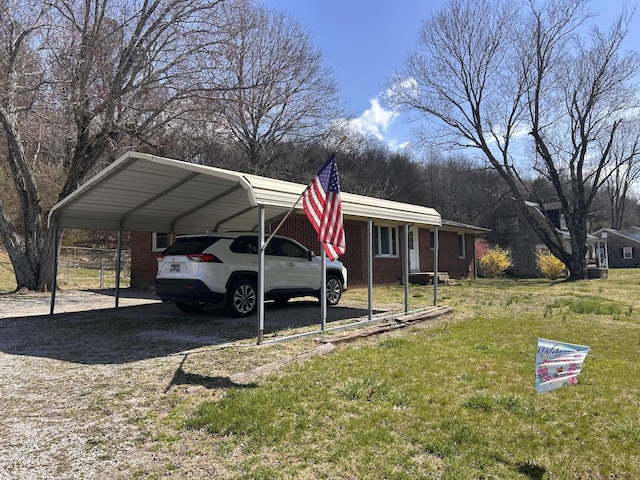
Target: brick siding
(144, 263)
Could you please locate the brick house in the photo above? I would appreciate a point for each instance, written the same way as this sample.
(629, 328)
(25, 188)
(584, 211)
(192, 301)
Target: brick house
(623, 246)
(510, 229)
(456, 242)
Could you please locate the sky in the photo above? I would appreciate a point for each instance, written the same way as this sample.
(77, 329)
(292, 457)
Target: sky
(366, 41)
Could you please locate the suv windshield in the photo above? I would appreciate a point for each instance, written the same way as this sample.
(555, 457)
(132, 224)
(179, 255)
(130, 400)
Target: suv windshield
(190, 245)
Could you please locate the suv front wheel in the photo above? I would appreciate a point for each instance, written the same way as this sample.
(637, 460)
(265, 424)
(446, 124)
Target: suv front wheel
(243, 298)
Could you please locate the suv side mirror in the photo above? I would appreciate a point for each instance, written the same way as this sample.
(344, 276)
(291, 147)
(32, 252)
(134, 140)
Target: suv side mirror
(310, 255)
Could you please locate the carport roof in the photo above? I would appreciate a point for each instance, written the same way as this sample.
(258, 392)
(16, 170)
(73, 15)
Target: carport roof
(146, 193)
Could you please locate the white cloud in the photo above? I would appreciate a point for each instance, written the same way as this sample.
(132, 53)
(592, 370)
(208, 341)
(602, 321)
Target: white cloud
(401, 88)
(374, 121)
(398, 146)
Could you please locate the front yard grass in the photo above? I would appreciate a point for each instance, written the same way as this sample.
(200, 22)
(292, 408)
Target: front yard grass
(454, 400)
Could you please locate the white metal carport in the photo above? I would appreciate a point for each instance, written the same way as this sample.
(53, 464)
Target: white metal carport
(145, 193)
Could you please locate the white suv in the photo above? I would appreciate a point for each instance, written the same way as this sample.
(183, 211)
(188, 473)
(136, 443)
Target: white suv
(223, 268)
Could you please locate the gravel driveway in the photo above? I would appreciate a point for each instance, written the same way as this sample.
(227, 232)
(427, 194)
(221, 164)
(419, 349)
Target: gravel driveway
(98, 392)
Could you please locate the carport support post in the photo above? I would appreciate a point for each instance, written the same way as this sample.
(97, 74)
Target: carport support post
(406, 267)
(54, 285)
(436, 254)
(323, 289)
(118, 267)
(370, 266)
(261, 273)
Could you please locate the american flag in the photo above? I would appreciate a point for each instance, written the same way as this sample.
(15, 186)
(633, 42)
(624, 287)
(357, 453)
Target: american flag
(323, 207)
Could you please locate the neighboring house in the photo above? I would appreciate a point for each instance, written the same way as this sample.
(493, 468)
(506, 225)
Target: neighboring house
(623, 246)
(456, 243)
(511, 230)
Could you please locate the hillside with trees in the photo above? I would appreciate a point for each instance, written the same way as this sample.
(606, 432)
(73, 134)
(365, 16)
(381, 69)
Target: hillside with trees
(235, 85)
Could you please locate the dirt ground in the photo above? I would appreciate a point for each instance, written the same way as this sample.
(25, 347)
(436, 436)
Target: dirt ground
(95, 392)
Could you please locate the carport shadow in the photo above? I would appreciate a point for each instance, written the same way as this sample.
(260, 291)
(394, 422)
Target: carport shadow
(111, 336)
(133, 333)
(139, 293)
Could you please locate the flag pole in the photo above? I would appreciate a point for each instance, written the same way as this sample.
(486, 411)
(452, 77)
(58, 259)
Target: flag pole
(293, 207)
(284, 218)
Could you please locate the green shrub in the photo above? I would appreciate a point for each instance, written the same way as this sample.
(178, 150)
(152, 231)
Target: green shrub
(549, 265)
(495, 261)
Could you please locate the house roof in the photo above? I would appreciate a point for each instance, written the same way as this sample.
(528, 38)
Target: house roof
(463, 227)
(564, 233)
(147, 193)
(632, 235)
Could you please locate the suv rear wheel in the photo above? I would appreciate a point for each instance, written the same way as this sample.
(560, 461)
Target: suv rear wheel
(243, 298)
(334, 290)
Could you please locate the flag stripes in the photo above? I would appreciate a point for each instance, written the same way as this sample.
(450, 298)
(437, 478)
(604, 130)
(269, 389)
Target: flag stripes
(323, 206)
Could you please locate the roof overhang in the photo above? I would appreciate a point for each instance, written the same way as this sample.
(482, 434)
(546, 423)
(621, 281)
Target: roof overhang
(463, 228)
(147, 193)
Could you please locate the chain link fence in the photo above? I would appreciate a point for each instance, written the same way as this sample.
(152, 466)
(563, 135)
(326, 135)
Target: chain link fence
(82, 267)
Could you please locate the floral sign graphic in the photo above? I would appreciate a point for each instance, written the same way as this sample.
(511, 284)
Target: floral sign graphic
(558, 364)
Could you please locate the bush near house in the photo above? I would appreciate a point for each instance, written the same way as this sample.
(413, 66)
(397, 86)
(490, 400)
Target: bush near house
(494, 262)
(549, 265)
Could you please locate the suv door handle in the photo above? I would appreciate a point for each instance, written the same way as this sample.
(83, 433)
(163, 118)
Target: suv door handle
(291, 264)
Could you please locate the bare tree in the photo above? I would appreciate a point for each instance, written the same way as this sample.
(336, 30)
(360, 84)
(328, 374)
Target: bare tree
(21, 83)
(270, 84)
(626, 152)
(488, 71)
(103, 76)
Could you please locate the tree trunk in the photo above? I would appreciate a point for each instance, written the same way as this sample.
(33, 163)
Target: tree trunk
(33, 268)
(51, 239)
(23, 271)
(578, 258)
(578, 267)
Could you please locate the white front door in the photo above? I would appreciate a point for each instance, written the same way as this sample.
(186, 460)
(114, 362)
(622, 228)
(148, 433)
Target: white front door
(414, 250)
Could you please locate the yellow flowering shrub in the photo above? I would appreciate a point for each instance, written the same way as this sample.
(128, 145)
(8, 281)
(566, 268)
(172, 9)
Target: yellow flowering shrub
(495, 261)
(549, 265)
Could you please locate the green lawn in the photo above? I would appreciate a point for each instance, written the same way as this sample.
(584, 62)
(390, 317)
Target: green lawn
(454, 400)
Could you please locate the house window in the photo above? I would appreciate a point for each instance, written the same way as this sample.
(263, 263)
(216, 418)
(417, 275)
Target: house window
(507, 225)
(461, 246)
(627, 252)
(432, 239)
(385, 241)
(160, 241)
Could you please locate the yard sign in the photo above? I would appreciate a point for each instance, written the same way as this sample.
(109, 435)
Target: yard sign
(558, 364)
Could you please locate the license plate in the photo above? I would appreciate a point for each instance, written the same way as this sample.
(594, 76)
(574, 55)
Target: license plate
(175, 267)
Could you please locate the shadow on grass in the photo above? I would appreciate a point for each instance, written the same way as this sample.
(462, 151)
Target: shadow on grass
(133, 333)
(183, 378)
(532, 471)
